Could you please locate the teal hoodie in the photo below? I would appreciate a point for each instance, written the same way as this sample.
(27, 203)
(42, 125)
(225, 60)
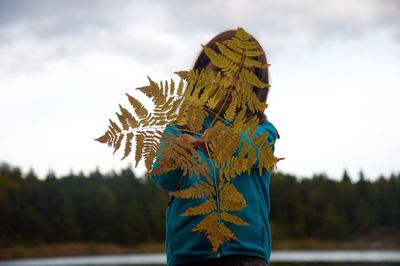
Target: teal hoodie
(184, 246)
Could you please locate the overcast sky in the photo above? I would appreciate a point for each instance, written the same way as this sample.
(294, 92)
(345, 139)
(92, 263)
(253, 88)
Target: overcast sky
(335, 71)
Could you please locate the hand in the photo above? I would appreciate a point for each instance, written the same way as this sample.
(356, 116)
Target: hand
(198, 144)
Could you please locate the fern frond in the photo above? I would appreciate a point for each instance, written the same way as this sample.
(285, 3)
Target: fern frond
(139, 108)
(123, 121)
(266, 158)
(171, 87)
(190, 114)
(208, 206)
(216, 232)
(154, 92)
(166, 165)
(118, 142)
(191, 111)
(248, 63)
(114, 126)
(199, 190)
(233, 219)
(171, 112)
(151, 142)
(223, 141)
(231, 198)
(252, 79)
(242, 34)
(104, 138)
(260, 140)
(243, 44)
(185, 75)
(128, 117)
(232, 55)
(235, 60)
(184, 155)
(218, 60)
(244, 162)
(231, 111)
(128, 145)
(180, 88)
(253, 53)
(139, 138)
(230, 169)
(110, 139)
(166, 104)
(235, 46)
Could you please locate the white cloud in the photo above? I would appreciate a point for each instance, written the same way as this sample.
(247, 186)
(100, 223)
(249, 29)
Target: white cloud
(65, 66)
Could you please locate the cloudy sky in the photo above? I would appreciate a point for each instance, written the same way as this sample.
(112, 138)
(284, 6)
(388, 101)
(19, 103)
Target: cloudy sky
(335, 70)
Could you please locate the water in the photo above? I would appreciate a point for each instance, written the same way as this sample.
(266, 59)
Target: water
(281, 258)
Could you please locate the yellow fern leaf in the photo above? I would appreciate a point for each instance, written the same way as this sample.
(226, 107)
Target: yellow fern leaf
(140, 110)
(199, 190)
(233, 46)
(164, 88)
(233, 219)
(150, 147)
(111, 138)
(267, 158)
(223, 141)
(211, 87)
(216, 232)
(118, 142)
(246, 45)
(242, 34)
(128, 117)
(253, 53)
(202, 169)
(250, 49)
(261, 139)
(185, 75)
(186, 158)
(104, 138)
(233, 56)
(139, 138)
(166, 165)
(248, 62)
(217, 59)
(112, 132)
(128, 145)
(231, 111)
(173, 109)
(231, 198)
(114, 126)
(252, 79)
(201, 209)
(123, 121)
(171, 87)
(191, 113)
(180, 88)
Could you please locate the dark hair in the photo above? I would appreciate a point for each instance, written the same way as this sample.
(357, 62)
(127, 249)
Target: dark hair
(263, 74)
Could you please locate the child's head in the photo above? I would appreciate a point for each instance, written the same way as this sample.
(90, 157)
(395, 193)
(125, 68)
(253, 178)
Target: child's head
(203, 62)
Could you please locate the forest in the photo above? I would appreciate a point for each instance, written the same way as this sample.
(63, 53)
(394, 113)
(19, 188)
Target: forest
(119, 207)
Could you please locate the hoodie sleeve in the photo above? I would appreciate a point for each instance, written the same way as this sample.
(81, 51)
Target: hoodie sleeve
(167, 181)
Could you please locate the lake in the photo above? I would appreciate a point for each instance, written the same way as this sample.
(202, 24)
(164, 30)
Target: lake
(282, 258)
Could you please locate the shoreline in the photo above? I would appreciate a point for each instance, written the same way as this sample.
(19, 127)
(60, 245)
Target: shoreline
(97, 248)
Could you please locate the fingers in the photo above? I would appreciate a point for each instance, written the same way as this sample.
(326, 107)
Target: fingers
(187, 141)
(198, 144)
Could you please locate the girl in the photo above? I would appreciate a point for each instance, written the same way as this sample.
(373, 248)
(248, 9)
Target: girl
(252, 243)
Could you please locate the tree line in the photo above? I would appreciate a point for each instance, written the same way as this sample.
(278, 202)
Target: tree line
(125, 209)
